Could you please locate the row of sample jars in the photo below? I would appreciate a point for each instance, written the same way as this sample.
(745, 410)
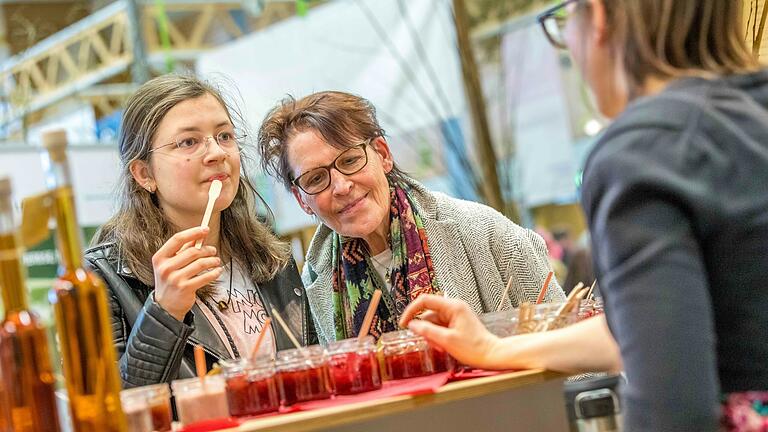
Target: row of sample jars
(252, 387)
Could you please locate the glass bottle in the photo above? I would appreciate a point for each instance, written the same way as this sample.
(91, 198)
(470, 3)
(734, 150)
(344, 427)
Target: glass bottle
(80, 307)
(25, 367)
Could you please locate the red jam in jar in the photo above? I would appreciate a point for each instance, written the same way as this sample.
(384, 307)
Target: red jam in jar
(589, 308)
(406, 355)
(442, 361)
(303, 375)
(354, 366)
(251, 386)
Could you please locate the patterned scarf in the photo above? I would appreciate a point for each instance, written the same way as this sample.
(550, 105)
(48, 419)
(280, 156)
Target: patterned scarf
(355, 279)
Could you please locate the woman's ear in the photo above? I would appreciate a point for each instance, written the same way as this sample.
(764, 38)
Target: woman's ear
(381, 147)
(304, 206)
(140, 172)
(599, 22)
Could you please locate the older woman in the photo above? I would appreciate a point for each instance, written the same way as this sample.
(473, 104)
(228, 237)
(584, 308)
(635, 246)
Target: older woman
(382, 229)
(675, 195)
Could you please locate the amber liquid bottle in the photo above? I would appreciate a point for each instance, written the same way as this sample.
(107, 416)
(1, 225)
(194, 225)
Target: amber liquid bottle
(25, 365)
(80, 307)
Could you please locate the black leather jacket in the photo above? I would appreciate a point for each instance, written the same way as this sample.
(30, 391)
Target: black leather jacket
(154, 347)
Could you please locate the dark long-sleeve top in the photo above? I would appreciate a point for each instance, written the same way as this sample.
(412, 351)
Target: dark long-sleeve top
(676, 196)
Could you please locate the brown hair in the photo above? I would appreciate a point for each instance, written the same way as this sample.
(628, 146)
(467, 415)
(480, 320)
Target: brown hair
(675, 38)
(139, 227)
(342, 119)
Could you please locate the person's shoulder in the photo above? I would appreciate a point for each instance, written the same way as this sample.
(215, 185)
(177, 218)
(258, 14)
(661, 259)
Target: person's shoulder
(102, 251)
(449, 206)
(106, 260)
(319, 252)
(652, 136)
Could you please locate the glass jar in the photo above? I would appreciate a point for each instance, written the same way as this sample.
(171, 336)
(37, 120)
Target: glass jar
(441, 360)
(136, 408)
(303, 375)
(406, 355)
(543, 317)
(159, 400)
(251, 386)
(197, 400)
(354, 366)
(589, 308)
(501, 323)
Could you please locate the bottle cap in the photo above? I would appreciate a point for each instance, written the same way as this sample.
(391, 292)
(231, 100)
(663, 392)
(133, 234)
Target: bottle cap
(5, 185)
(55, 142)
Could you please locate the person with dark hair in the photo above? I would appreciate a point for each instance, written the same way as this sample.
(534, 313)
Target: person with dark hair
(675, 197)
(178, 135)
(382, 229)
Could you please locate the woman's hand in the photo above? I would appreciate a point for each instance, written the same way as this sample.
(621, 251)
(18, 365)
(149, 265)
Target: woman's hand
(586, 346)
(452, 326)
(180, 270)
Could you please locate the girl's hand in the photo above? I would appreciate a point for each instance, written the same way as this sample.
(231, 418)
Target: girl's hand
(181, 270)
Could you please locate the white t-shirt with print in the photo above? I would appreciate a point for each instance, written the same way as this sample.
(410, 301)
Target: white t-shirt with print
(245, 315)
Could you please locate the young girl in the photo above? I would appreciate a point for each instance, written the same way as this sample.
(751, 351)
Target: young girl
(179, 135)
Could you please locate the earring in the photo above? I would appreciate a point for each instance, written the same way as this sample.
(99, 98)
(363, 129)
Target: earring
(148, 187)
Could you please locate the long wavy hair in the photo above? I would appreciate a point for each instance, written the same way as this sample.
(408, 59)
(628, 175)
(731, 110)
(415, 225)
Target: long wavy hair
(139, 227)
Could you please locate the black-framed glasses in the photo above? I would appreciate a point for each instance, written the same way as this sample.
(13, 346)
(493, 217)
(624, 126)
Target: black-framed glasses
(347, 162)
(195, 144)
(553, 22)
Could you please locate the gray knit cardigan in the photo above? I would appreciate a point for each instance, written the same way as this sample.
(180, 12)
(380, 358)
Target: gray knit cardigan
(475, 251)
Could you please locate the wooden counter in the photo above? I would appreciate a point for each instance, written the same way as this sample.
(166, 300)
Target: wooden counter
(517, 401)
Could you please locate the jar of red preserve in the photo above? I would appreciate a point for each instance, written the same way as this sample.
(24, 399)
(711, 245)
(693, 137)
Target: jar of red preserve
(406, 355)
(303, 375)
(251, 386)
(354, 366)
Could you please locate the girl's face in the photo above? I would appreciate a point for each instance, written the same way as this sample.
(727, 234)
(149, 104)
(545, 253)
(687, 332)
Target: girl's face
(194, 144)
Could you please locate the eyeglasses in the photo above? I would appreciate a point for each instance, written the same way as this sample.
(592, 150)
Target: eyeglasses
(195, 144)
(348, 162)
(553, 22)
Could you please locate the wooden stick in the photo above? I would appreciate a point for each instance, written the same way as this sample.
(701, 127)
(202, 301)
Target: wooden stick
(505, 293)
(564, 308)
(589, 294)
(574, 291)
(213, 195)
(369, 314)
(286, 329)
(543, 291)
(200, 364)
(260, 339)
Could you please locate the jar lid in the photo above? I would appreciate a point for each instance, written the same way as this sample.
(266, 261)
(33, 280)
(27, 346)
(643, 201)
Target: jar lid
(400, 336)
(352, 345)
(300, 354)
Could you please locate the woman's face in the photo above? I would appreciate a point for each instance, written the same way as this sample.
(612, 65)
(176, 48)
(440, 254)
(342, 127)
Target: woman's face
(588, 38)
(181, 180)
(353, 205)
